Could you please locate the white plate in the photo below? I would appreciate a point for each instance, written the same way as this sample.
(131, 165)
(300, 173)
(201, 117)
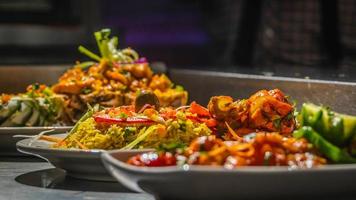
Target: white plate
(8, 142)
(207, 182)
(83, 164)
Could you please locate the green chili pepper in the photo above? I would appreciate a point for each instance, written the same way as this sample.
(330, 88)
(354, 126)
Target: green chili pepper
(331, 151)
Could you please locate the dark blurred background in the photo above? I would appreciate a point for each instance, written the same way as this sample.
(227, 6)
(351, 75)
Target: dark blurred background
(299, 38)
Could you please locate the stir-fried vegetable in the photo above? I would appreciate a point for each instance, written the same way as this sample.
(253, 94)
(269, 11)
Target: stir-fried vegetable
(332, 133)
(265, 110)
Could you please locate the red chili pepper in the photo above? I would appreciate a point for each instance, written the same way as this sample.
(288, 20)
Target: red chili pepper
(199, 110)
(123, 121)
(211, 123)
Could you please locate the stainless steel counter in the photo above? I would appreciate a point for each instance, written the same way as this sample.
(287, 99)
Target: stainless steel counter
(27, 179)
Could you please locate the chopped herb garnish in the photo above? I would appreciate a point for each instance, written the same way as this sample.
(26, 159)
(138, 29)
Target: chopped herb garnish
(290, 116)
(86, 90)
(129, 131)
(277, 123)
(183, 126)
(123, 115)
(172, 147)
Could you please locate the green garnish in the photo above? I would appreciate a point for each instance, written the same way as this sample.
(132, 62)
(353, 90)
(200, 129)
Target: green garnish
(172, 147)
(86, 90)
(108, 48)
(88, 53)
(123, 115)
(277, 123)
(179, 88)
(85, 65)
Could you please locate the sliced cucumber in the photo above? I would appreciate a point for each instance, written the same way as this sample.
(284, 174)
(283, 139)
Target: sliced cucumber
(34, 119)
(41, 121)
(334, 153)
(8, 110)
(20, 117)
(337, 128)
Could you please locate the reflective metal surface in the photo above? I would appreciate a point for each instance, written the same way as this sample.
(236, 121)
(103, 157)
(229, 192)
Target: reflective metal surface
(340, 96)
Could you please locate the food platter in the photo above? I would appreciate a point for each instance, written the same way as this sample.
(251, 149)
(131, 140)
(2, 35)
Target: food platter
(8, 141)
(83, 164)
(204, 182)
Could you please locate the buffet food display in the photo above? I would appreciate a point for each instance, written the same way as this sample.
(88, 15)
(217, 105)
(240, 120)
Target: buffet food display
(262, 130)
(116, 102)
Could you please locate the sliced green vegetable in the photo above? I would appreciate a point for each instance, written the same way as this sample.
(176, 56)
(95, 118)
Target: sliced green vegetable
(141, 136)
(331, 151)
(108, 48)
(8, 110)
(337, 128)
(34, 118)
(41, 121)
(20, 117)
(102, 39)
(90, 54)
(85, 65)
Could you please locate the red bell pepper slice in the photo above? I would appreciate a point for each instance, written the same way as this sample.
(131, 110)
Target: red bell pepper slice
(199, 110)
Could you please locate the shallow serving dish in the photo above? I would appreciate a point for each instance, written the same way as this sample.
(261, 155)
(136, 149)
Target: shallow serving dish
(8, 141)
(83, 164)
(204, 182)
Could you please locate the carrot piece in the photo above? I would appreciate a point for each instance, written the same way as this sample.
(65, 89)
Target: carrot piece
(232, 132)
(199, 110)
(82, 146)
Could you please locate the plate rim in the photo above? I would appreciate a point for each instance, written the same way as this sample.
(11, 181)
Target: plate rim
(22, 145)
(107, 157)
(34, 127)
